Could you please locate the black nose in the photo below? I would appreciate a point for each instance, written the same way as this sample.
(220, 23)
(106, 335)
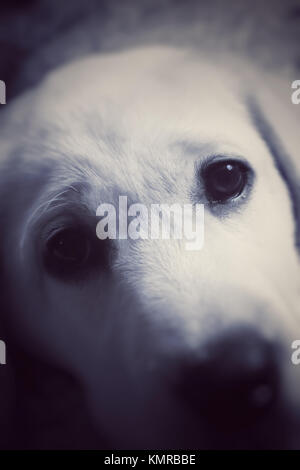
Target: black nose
(234, 382)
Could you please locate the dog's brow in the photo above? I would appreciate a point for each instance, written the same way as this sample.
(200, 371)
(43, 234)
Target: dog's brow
(67, 197)
(192, 147)
(201, 150)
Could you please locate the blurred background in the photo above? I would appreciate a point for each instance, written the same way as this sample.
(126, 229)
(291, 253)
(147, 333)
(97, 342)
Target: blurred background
(37, 35)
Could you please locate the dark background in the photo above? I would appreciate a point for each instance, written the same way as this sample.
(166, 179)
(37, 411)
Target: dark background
(36, 35)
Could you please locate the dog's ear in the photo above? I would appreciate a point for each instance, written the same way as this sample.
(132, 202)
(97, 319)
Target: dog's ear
(278, 122)
(8, 391)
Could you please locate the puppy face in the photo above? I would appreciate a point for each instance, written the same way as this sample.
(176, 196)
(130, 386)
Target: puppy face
(128, 317)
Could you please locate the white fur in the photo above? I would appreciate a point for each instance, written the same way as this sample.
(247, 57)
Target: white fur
(135, 123)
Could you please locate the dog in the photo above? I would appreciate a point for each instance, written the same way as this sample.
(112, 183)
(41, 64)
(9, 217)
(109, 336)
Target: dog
(140, 343)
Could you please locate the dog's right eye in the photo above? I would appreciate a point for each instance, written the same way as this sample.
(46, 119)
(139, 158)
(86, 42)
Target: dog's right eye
(73, 252)
(69, 247)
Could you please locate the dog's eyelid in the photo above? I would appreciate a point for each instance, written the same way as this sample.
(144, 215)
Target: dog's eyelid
(46, 227)
(51, 231)
(220, 157)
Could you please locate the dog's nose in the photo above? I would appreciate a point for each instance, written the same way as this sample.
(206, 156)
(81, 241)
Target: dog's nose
(234, 382)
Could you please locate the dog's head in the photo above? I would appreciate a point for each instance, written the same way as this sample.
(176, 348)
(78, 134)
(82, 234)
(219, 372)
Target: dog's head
(173, 348)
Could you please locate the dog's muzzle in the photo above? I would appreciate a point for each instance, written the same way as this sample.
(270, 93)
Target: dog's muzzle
(235, 384)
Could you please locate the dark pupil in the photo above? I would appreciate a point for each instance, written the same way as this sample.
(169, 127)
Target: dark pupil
(224, 181)
(69, 246)
(74, 253)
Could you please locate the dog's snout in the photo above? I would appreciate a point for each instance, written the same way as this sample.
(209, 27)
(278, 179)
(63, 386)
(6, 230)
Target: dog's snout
(235, 382)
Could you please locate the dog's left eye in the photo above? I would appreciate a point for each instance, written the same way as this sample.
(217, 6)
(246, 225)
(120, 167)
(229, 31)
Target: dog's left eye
(224, 180)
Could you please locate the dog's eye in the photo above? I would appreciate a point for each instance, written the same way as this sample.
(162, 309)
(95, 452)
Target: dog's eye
(224, 180)
(70, 247)
(75, 252)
